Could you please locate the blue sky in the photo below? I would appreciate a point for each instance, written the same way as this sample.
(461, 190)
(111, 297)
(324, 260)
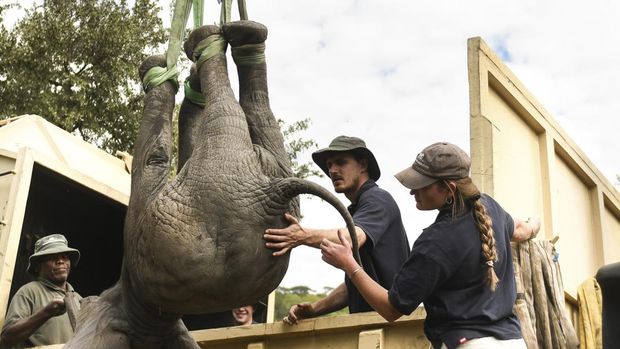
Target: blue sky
(394, 72)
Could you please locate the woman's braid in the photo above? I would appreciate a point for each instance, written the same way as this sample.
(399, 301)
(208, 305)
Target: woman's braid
(485, 226)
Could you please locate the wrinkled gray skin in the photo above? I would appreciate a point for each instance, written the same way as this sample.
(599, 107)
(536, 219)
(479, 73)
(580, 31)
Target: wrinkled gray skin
(191, 242)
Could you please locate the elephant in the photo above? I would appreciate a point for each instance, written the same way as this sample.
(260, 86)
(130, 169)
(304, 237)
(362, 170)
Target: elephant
(191, 240)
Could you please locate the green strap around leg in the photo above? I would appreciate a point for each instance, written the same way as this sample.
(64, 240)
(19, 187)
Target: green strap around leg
(193, 95)
(158, 75)
(249, 54)
(209, 47)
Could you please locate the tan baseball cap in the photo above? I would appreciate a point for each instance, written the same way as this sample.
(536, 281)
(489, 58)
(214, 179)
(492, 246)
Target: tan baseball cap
(440, 160)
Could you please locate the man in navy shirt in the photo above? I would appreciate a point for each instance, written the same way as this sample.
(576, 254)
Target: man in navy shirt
(383, 242)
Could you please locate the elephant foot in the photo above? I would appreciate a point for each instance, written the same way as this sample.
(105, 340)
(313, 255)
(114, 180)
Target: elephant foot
(151, 62)
(244, 32)
(247, 40)
(201, 41)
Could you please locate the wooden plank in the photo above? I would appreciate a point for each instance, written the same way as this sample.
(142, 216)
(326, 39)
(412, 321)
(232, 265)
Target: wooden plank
(372, 339)
(14, 217)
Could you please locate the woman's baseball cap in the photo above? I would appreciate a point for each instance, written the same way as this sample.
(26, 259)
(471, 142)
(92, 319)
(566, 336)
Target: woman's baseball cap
(440, 160)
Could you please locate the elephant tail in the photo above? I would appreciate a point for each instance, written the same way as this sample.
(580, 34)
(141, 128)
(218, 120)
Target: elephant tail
(288, 188)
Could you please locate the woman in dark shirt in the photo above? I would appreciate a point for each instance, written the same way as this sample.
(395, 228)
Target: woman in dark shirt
(460, 266)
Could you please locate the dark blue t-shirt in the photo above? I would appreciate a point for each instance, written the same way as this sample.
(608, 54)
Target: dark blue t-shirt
(386, 247)
(447, 272)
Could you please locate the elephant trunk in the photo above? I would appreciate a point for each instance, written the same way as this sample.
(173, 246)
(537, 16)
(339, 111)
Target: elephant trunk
(289, 188)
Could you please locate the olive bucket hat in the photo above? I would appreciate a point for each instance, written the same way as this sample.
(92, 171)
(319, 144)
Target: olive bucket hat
(350, 144)
(48, 245)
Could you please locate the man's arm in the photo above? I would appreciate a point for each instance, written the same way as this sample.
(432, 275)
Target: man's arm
(525, 229)
(335, 300)
(285, 239)
(22, 329)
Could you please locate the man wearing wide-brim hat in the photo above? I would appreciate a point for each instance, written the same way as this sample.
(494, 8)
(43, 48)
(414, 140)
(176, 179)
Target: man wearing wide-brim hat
(353, 170)
(43, 311)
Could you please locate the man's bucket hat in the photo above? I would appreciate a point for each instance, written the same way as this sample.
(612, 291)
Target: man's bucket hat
(48, 245)
(437, 161)
(350, 144)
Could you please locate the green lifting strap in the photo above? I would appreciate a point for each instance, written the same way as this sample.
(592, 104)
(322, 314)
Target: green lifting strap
(225, 13)
(209, 47)
(158, 75)
(182, 9)
(198, 9)
(249, 54)
(243, 12)
(193, 95)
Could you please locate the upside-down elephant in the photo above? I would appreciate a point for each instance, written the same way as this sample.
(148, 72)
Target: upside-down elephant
(190, 241)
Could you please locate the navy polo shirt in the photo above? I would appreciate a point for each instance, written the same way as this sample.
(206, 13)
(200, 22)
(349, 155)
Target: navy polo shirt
(447, 272)
(386, 247)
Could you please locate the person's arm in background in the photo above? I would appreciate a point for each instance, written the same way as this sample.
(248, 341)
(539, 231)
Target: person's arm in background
(21, 329)
(285, 239)
(525, 229)
(335, 300)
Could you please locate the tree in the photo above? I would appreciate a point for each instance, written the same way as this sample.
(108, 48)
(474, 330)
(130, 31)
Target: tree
(295, 144)
(75, 63)
(287, 297)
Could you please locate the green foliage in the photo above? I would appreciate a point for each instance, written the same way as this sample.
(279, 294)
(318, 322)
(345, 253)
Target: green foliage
(75, 63)
(287, 297)
(295, 145)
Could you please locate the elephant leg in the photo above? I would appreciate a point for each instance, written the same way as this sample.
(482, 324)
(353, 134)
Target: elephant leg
(182, 341)
(191, 108)
(247, 40)
(152, 151)
(222, 128)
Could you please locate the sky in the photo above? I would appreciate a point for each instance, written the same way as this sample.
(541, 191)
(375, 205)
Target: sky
(394, 72)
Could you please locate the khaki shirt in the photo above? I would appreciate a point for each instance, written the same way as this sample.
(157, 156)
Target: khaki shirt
(29, 299)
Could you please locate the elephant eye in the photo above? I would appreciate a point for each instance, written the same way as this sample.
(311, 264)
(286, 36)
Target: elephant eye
(156, 160)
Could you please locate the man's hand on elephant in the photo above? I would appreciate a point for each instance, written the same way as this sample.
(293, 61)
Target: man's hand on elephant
(298, 312)
(55, 308)
(285, 239)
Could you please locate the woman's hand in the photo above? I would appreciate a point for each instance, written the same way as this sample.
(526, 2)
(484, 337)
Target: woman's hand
(339, 255)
